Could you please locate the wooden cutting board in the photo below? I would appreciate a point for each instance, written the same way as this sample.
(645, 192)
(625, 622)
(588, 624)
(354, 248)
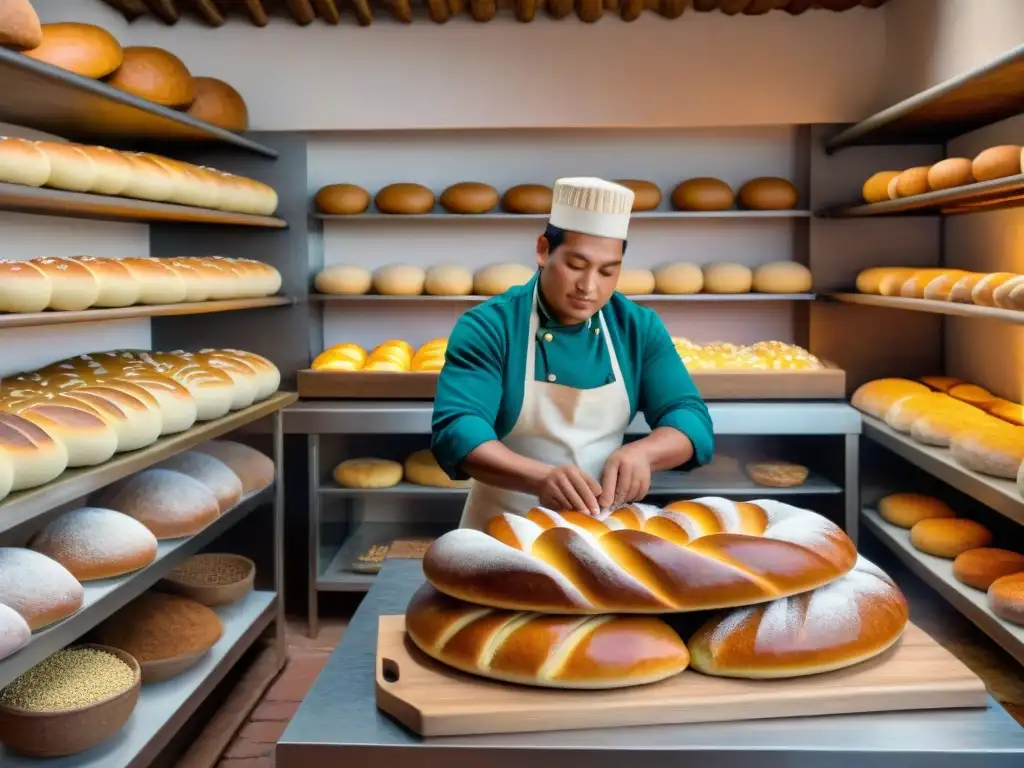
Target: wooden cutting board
(434, 700)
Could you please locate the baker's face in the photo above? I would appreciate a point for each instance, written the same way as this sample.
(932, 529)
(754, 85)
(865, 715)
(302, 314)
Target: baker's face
(580, 275)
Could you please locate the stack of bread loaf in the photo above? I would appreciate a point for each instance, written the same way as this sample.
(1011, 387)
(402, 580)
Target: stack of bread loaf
(982, 431)
(937, 530)
(83, 282)
(393, 356)
(138, 175)
(1004, 290)
(539, 599)
(409, 280)
(79, 412)
(419, 468)
(760, 356)
(993, 163)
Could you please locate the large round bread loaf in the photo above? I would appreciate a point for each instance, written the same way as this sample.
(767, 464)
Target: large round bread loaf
(155, 74)
(679, 278)
(727, 277)
(404, 198)
(997, 162)
(702, 194)
(19, 29)
(399, 280)
(646, 195)
(527, 199)
(35, 457)
(23, 162)
(495, 279)
(368, 473)
(850, 620)
(170, 504)
(38, 588)
(343, 280)
(219, 104)
(469, 197)
(95, 543)
(1006, 598)
(782, 277)
(635, 281)
(448, 280)
(693, 555)
(84, 49)
(342, 199)
(217, 476)
(23, 287)
(591, 652)
(767, 193)
(253, 468)
(15, 633)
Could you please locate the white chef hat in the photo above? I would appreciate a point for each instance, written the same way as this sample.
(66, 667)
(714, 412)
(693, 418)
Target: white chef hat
(592, 207)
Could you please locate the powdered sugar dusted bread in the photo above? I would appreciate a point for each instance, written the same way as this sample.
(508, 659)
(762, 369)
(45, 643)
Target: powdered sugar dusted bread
(211, 472)
(169, 503)
(95, 543)
(846, 622)
(255, 470)
(693, 555)
(14, 631)
(38, 588)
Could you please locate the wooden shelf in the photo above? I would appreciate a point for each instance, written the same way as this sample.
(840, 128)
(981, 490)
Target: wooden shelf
(41, 96)
(29, 319)
(81, 205)
(642, 299)
(440, 215)
(975, 99)
(992, 195)
(927, 305)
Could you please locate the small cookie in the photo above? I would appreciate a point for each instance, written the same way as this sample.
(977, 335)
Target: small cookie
(777, 474)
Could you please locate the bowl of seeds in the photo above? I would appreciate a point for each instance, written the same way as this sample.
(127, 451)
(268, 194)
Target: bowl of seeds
(70, 701)
(211, 579)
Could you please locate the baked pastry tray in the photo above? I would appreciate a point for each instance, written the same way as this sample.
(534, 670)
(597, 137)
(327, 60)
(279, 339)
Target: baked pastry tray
(434, 700)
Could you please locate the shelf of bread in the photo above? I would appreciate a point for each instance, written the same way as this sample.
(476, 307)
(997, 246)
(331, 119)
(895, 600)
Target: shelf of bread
(639, 298)
(933, 306)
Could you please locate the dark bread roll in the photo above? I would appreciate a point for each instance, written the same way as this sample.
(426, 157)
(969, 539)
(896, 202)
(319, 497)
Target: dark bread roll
(217, 103)
(981, 566)
(768, 193)
(84, 49)
(527, 199)
(405, 198)
(702, 194)
(646, 195)
(469, 197)
(342, 199)
(155, 74)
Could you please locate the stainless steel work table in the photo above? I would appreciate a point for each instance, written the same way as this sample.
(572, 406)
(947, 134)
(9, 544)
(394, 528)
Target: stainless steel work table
(339, 723)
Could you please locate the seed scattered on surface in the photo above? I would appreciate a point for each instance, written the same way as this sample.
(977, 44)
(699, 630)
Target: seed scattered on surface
(69, 679)
(210, 571)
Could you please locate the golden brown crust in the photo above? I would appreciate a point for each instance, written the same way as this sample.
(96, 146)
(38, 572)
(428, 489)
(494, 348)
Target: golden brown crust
(342, 199)
(1006, 597)
(155, 74)
(404, 198)
(84, 49)
(646, 195)
(777, 474)
(703, 193)
(469, 197)
(949, 537)
(767, 193)
(907, 509)
(527, 199)
(218, 103)
(981, 566)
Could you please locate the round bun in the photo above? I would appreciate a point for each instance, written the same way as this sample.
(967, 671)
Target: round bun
(217, 476)
(1010, 295)
(949, 173)
(71, 169)
(23, 162)
(777, 474)
(117, 286)
(495, 279)
(527, 198)
(15, 633)
(343, 280)
(72, 286)
(368, 473)
(635, 282)
(768, 193)
(997, 162)
(548, 651)
(94, 543)
(448, 280)
(19, 29)
(727, 277)
(948, 537)
(40, 589)
(679, 278)
(1006, 598)
(702, 194)
(217, 103)
(422, 468)
(342, 199)
(646, 195)
(23, 287)
(84, 49)
(782, 277)
(853, 619)
(405, 198)
(876, 188)
(876, 397)
(998, 451)
(979, 567)
(34, 456)
(469, 197)
(908, 509)
(913, 181)
(399, 280)
(170, 504)
(253, 468)
(983, 293)
(155, 74)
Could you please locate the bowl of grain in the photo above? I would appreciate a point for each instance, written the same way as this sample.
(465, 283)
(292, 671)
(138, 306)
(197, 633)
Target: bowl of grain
(211, 579)
(70, 701)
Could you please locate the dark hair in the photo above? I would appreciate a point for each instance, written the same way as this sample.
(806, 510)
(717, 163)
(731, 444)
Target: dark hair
(556, 238)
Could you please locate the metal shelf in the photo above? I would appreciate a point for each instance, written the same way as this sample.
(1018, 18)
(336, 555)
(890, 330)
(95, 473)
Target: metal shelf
(30, 319)
(641, 298)
(335, 576)
(928, 305)
(82, 205)
(938, 574)
(39, 95)
(440, 215)
(105, 597)
(1001, 495)
(164, 707)
(991, 195)
(19, 508)
(963, 104)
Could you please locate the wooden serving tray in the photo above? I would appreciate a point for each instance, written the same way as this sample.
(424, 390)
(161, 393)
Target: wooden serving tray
(434, 700)
(825, 384)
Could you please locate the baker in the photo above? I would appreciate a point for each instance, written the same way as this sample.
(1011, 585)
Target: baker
(540, 383)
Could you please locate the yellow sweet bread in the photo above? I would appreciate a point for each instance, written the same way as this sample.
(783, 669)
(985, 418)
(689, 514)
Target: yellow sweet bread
(940, 427)
(902, 414)
(368, 473)
(422, 468)
(949, 537)
(908, 509)
(876, 397)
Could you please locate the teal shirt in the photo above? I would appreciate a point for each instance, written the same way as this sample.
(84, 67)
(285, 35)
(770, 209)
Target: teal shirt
(480, 389)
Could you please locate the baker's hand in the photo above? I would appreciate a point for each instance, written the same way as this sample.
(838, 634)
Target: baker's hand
(569, 487)
(626, 477)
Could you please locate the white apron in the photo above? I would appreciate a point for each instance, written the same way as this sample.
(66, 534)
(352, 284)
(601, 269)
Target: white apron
(557, 425)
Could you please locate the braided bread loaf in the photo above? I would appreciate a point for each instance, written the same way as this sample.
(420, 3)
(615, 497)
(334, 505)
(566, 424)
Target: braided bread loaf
(550, 651)
(692, 555)
(843, 623)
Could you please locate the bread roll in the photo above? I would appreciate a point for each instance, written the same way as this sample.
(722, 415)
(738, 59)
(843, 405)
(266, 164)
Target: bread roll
(23, 287)
(727, 277)
(368, 473)
(158, 283)
(133, 413)
(84, 49)
(914, 287)
(870, 280)
(892, 282)
(1007, 411)
(949, 537)
(912, 181)
(997, 162)
(72, 286)
(343, 280)
(1006, 598)
(350, 357)
(38, 588)
(399, 280)
(776, 474)
(19, 29)
(876, 188)
(702, 194)
(117, 286)
(979, 567)
(23, 162)
(495, 279)
(549, 651)
(767, 193)
(155, 74)
(448, 280)
(941, 426)
(178, 409)
(679, 278)
(70, 168)
(876, 397)
(213, 473)
(469, 197)
(253, 469)
(906, 510)
(342, 199)
(1009, 295)
(782, 277)
(635, 282)
(80, 426)
(15, 633)
(973, 395)
(904, 412)
(949, 173)
(963, 290)
(853, 619)
(984, 289)
(405, 198)
(170, 504)
(94, 543)
(243, 377)
(940, 287)
(997, 452)
(527, 198)
(217, 103)
(150, 180)
(198, 283)
(422, 468)
(646, 195)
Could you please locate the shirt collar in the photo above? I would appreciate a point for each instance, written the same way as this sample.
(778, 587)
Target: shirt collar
(548, 320)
